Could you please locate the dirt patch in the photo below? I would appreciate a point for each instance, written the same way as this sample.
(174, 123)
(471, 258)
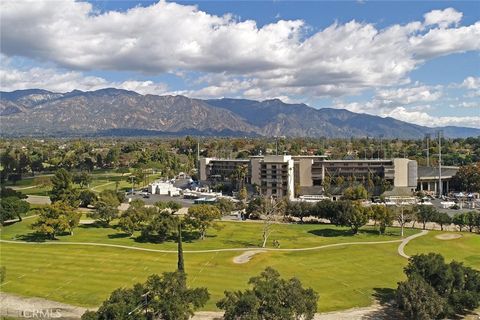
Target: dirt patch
(448, 236)
(23, 307)
(246, 256)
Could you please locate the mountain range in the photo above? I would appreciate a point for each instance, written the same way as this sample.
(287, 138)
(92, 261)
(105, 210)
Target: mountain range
(116, 112)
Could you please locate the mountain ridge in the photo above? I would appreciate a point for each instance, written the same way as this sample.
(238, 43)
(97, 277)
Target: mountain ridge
(38, 112)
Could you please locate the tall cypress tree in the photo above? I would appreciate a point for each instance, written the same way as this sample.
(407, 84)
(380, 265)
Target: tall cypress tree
(180, 263)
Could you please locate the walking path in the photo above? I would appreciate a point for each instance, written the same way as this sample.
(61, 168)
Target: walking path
(24, 188)
(400, 250)
(18, 220)
(402, 245)
(12, 305)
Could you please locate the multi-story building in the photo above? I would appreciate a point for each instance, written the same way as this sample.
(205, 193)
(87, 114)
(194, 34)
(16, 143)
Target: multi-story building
(286, 176)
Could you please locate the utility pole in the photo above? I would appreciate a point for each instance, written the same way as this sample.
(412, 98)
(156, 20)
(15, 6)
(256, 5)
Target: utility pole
(198, 159)
(276, 145)
(381, 147)
(440, 187)
(427, 136)
(132, 183)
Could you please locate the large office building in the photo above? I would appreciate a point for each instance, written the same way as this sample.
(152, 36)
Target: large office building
(286, 176)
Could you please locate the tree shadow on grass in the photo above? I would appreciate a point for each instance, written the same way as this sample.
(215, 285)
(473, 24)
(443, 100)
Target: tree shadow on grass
(387, 310)
(340, 233)
(96, 224)
(245, 244)
(34, 237)
(118, 235)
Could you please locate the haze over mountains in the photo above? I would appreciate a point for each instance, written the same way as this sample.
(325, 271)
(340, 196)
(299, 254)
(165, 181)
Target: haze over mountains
(115, 112)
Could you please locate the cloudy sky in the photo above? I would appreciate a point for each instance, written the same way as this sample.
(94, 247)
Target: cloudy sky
(414, 61)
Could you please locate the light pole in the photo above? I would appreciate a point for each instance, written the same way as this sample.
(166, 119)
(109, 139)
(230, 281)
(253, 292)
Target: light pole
(440, 186)
(132, 183)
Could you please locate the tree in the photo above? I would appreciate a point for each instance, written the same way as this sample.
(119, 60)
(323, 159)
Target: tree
(8, 192)
(404, 216)
(243, 194)
(164, 297)
(72, 217)
(62, 189)
(170, 297)
(425, 214)
(161, 225)
(12, 207)
(383, 216)
(418, 300)
(456, 287)
(104, 212)
(467, 178)
(270, 298)
(270, 211)
(83, 179)
(459, 220)
(442, 219)
(132, 219)
(172, 206)
(472, 220)
(87, 197)
(298, 209)
(201, 217)
(351, 215)
(225, 205)
(111, 197)
(255, 207)
(56, 218)
(42, 181)
(355, 193)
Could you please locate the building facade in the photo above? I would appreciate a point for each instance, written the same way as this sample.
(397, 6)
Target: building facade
(289, 176)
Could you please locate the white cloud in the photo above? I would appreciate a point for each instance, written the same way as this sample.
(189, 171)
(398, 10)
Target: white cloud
(410, 95)
(277, 59)
(423, 118)
(414, 104)
(64, 81)
(443, 18)
(471, 83)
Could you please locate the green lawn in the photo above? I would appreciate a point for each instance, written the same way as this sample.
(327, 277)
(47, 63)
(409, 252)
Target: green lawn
(465, 249)
(101, 180)
(345, 276)
(86, 275)
(224, 235)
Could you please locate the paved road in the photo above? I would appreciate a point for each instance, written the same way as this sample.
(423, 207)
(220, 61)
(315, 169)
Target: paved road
(201, 251)
(402, 245)
(38, 200)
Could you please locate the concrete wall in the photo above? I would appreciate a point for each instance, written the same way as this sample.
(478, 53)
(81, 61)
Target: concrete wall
(305, 172)
(203, 168)
(405, 173)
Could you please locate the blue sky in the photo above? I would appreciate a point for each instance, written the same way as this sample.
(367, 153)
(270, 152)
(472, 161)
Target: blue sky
(417, 61)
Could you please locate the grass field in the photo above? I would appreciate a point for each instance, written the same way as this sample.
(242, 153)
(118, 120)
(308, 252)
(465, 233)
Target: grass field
(345, 276)
(101, 180)
(224, 235)
(465, 249)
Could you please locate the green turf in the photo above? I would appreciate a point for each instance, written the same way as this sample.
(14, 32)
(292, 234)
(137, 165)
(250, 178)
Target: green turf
(224, 235)
(101, 180)
(465, 249)
(345, 276)
(85, 275)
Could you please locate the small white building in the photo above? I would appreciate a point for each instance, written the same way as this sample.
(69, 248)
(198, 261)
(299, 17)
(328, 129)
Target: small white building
(165, 188)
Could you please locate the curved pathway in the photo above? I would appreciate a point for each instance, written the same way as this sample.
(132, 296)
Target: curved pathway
(400, 248)
(402, 245)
